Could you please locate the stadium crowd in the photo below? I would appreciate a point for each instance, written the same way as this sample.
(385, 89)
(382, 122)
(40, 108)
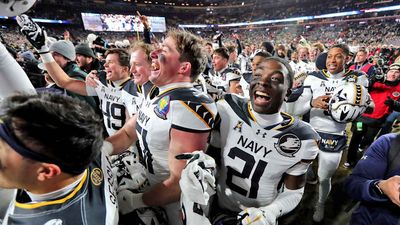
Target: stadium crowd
(200, 128)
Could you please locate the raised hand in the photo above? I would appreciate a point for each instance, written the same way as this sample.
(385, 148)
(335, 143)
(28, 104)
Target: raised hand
(35, 34)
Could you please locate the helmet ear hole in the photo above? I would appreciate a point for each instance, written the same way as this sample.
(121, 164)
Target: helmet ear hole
(15, 7)
(348, 102)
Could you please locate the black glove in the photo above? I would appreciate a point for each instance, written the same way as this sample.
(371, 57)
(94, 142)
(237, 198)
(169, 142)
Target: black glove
(35, 34)
(389, 102)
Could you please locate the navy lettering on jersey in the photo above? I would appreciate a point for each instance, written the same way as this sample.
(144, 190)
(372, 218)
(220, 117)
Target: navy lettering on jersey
(253, 146)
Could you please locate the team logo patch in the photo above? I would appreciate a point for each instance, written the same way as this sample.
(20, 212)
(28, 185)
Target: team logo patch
(162, 108)
(288, 145)
(352, 78)
(96, 176)
(238, 126)
(396, 94)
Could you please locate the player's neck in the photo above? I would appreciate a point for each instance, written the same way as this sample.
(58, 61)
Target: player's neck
(54, 191)
(339, 74)
(266, 120)
(175, 85)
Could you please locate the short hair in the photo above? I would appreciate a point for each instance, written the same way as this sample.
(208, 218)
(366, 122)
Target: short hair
(62, 128)
(281, 47)
(190, 47)
(363, 49)
(299, 46)
(345, 48)
(223, 52)
(146, 48)
(209, 44)
(123, 55)
(319, 46)
(263, 54)
(285, 63)
(231, 48)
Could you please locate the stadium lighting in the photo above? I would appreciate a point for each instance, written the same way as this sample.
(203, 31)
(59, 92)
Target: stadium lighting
(303, 18)
(41, 20)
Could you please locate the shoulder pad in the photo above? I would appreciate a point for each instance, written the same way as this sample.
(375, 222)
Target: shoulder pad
(319, 74)
(102, 77)
(132, 88)
(239, 106)
(186, 95)
(301, 129)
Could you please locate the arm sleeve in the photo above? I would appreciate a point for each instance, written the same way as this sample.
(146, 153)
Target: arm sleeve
(91, 91)
(371, 167)
(239, 47)
(146, 34)
(285, 202)
(300, 105)
(220, 45)
(13, 77)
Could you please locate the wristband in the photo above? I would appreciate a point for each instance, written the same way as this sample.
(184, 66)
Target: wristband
(47, 57)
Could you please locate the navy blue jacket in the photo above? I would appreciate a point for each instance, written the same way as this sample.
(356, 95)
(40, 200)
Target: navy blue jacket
(374, 208)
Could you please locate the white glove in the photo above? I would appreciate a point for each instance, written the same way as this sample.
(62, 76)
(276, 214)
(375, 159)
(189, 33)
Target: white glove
(35, 34)
(129, 201)
(197, 179)
(107, 148)
(130, 172)
(257, 216)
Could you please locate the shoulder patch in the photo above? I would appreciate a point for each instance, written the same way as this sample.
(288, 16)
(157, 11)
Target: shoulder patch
(96, 176)
(162, 108)
(288, 145)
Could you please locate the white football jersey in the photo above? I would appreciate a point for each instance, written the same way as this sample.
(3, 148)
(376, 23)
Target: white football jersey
(254, 158)
(180, 107)
(111, 102)
(133, 95)
(323, 83)
(221, 79)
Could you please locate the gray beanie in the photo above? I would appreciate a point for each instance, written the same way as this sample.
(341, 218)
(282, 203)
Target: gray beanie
(65, 48)
(85, 50)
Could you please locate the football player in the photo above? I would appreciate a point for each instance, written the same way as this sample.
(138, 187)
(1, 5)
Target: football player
(178, 120)
(109, 88)
(316, 92)
(262, 154)
(222, 76)
(50, 151)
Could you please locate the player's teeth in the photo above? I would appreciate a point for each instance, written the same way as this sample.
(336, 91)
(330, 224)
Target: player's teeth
(154, 66)
(261, 94)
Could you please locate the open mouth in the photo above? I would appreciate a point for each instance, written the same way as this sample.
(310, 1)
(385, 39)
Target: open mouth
(155, 68)
(332, 66)
(261, 98)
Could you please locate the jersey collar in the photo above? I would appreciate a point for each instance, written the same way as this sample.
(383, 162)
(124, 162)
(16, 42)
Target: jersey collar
(172, 86)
